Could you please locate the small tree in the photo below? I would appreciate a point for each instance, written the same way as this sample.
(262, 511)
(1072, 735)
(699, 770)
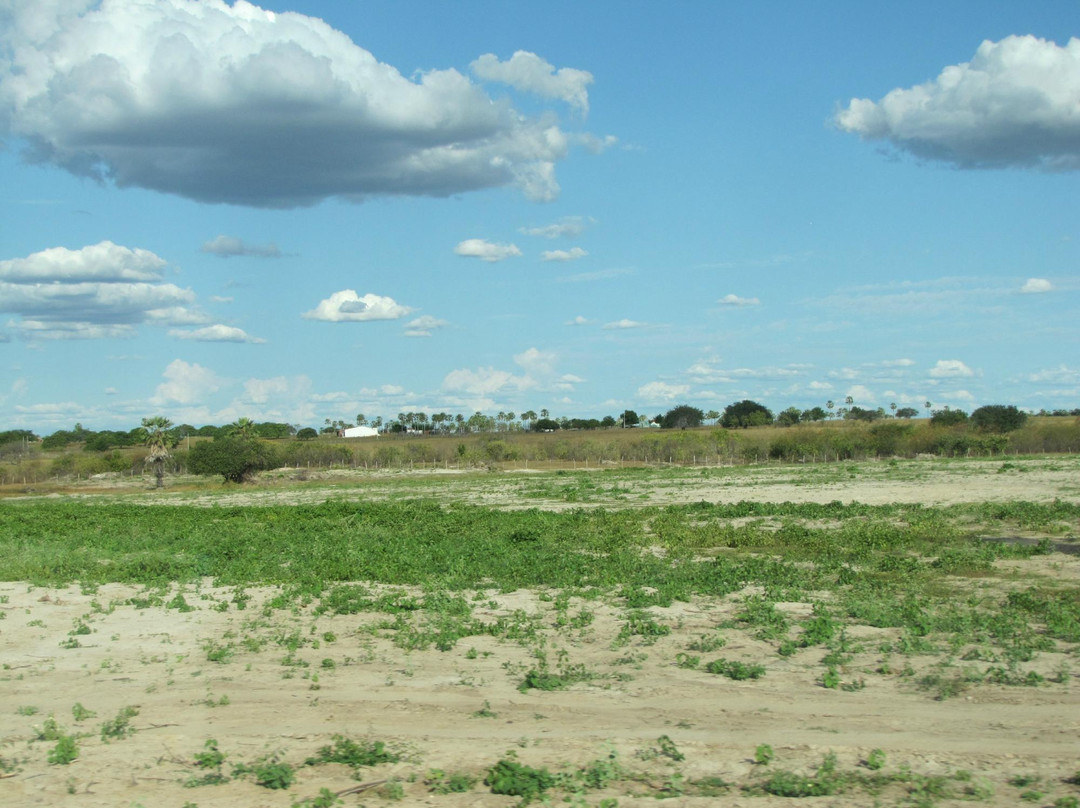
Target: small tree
(947, 417)
(906, 412)
(307, 433)
(998, 418)
(682, 417)
(629, 419)
(158, 441)
(233, 457)
(789, 417)
(744, 414)
(814, 414)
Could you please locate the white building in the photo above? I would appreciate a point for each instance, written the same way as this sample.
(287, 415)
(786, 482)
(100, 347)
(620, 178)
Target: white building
(359, 432)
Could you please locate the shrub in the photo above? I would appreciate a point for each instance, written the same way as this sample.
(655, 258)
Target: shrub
(998, 418)
(234, 458)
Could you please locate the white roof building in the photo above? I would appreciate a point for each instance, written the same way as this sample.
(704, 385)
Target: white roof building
(360, 432)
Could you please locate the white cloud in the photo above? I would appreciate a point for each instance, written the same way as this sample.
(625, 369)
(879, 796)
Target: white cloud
(96, 292)
(566, 227)
(215, 333)
(820, 386)
(661, 391)
(572, 254)
(735, 300)
(600, 275)
(486, 250)
(1036, 285)
(950, 369)
(861, 395)
(423, 326)
(104, 262)
(527, 71)
(232, 103)
(1013, 104)
(1059, 375)
(536, 362)
(348, 307)
(484, 382)
(579, 320)
(186, 384)
(624, 323)
(228, 246)
(845, 374)
(898, 363)
(220, 299)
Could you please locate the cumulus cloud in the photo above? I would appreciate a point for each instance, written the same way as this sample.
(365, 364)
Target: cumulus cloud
(950, 369)
(735, 300)
(486, 250)
(231, 103)
(661, 391)
(537, 363)
(348, 307)
(1062, 374)
(566, 227)
(573, 254)
(229, 246)
(423, 326)
(579, 320)
(186, 383)
(1013, 105)
(215, 333)
(623, 323)
(100, 291)
(484, 382)
(1035, 286)
(528, 72)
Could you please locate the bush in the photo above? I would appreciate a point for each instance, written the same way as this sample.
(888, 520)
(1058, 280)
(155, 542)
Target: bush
(234, 458)
(998, 418)
(744, 414)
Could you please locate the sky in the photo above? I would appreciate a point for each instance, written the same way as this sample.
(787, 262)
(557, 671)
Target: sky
(306, 210)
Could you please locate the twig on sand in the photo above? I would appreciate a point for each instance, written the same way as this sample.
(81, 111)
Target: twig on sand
(359, 788)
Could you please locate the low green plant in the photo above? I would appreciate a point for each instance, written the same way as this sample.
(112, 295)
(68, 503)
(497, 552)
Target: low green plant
(65, 751)
(733, 669)
(80, 713)
(440, 782)
(120, 726)
(325, 799)
(518, 780)
(875, 760)
(764, 754)
(269, 772)
(351, 753)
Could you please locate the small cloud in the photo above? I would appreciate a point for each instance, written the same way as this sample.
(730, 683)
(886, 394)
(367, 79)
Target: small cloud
(579, 320)
(898, 363)
(563, 255)
(348, 307)
(486, 250)
(220, 299)
(567, 227)
(423, 326)
(1035, 286)
(623, 323)
(601, 275)
(735, 300)
(950, 369)
(530, 73)
(228, 246)
(662, 391)
(216, 333)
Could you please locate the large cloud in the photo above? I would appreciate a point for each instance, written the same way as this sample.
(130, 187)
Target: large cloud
(236, 104)
(99, 291)
(1014, 104)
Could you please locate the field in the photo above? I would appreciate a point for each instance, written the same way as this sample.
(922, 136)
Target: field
(893, 633)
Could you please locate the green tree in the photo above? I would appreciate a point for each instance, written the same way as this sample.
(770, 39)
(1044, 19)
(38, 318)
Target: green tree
(998, 418)
(158, 441)
(682, 417)
(814, 414)
(789, 417)
(906, 412)
(307, 433)
(242, 428)
(744, 414)
(629, 419)
(233, 457)
(947, 417)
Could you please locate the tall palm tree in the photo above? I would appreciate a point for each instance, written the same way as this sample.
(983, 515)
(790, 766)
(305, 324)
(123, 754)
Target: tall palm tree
(242, 428)
(158, 441)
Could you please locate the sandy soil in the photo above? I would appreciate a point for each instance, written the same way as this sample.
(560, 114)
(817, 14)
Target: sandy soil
(293, 679)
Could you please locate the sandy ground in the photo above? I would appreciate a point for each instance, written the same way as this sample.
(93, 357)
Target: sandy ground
(292, 680)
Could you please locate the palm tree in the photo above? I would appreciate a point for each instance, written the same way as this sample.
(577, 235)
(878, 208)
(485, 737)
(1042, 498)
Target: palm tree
(242, 428)
(158, 441)
(830, 404)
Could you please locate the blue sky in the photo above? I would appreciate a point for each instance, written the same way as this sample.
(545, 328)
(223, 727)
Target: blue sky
(307, 210)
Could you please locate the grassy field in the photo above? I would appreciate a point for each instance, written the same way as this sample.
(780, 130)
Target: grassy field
(603, 637)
